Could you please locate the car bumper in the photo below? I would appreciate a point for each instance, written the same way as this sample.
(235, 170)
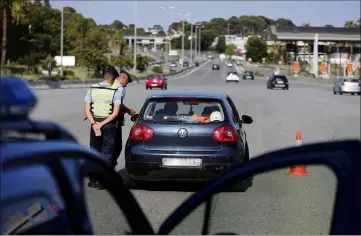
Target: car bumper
(350, 90)
(154, 85)
(149, 167)
(232, 80)
(281, 86)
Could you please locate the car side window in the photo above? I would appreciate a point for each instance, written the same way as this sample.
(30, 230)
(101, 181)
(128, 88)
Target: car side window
(234, 110)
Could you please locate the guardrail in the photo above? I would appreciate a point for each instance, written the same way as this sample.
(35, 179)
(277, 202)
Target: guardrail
(56, 84)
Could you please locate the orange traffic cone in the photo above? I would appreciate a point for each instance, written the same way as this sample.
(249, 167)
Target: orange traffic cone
(298, 170)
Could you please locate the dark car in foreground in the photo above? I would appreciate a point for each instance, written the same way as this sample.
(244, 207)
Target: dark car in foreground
(156, 81)
(185, 136)
(186, 64)
(215, 67)
(277, 81)
(248, 75)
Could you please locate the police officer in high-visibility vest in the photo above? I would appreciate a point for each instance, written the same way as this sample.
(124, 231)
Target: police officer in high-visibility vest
(102, 106)
(122, 81)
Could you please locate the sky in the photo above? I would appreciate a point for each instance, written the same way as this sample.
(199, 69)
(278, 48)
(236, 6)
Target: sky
(149, 13)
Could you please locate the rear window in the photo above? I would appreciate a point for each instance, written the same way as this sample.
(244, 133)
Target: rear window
(249, 72)
(154, 77)
(232, 73)
(351, 80)
(282, 77)
(184, 110)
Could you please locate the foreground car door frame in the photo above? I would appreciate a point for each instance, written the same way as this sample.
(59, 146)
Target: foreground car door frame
(342, 157)
(51, 153)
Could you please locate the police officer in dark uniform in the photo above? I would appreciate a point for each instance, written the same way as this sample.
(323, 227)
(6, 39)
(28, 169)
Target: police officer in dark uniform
(121, 82)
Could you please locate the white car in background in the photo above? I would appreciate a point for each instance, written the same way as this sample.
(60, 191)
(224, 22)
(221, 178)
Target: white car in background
(229, 64)
(232, 77)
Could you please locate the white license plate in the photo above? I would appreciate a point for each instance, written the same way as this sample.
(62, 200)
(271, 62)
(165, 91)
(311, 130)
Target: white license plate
(280, 82)
(248, 77)
(154, 85)
(280, 85)
(189, 162)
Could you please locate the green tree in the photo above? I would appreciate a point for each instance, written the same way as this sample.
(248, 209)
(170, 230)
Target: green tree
(207, 38)
(329, 26)
(306, 25)
(17, 11)
(221, 44)
(351, 24)
(256, 49)
(231, 49)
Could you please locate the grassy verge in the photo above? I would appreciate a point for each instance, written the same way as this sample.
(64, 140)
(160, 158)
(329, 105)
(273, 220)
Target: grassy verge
(259, 74)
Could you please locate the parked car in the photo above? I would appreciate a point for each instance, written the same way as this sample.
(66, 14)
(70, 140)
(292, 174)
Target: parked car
(186, 64)
(156, 81)
(347, 85)
(277, 81)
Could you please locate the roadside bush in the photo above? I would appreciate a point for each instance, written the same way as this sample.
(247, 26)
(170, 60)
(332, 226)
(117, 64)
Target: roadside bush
(158, 69)
(13, 69)
(259, 74)
(68, 73)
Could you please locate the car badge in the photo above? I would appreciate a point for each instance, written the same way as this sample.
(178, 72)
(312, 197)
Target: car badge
(182, 133)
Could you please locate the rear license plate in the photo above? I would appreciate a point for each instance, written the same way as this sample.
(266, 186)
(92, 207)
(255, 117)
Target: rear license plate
(280, 82)
(154, 85)
(280, 85)
(248, 77)
(186, 162)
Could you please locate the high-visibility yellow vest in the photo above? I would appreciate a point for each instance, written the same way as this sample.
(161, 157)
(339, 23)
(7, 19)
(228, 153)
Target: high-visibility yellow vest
(102, 100)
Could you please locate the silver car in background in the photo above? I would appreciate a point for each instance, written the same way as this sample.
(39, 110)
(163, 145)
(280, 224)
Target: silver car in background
(347, 85)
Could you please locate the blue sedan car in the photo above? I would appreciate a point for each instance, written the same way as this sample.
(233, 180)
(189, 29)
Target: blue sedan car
(185, 136)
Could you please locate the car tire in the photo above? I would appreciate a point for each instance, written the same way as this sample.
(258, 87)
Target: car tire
(359, 94)
(334, 92)
(146, 88)
(352, 93)
(341, 93)
(128, 181)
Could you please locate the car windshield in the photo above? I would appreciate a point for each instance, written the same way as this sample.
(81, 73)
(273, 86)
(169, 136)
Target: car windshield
(184, 110)
(353, 80)
(232, 73)
(249, 72)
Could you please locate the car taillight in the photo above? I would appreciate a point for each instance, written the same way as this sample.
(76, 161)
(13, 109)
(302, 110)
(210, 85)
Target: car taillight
(225, 134)
(342, 84)
(141, 132)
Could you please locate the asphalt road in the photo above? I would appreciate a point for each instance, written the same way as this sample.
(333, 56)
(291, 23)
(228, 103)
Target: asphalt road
(277, 203)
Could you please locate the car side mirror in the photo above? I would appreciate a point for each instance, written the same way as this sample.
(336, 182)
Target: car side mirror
(247, 119)
(134, 117)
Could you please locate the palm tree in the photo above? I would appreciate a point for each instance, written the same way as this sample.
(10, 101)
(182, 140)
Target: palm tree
(16, 10)
(306, 25)
(351, 24)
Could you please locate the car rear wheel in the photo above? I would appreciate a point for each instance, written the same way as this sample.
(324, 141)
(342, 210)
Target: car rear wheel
(352, 93)
(334, 91)
(128, 181)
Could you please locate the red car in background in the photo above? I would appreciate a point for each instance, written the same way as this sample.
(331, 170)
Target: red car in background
(156, 81)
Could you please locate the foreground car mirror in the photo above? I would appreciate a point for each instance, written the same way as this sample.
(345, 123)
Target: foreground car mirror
(247, 119)
(134, 117)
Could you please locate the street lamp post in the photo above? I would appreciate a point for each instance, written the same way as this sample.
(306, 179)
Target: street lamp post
(228, 29)
(184, 17)
(199, 47)
(62, 42)
(135, 36)
(191, 43)
(195, 40)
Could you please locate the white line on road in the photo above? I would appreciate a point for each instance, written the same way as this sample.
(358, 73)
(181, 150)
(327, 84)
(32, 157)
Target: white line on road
(191, 72)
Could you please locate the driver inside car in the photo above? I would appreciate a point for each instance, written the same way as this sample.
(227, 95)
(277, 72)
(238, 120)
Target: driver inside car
(205, 116)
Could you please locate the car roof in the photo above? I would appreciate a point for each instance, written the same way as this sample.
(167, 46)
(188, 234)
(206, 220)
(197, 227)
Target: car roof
(188, 94)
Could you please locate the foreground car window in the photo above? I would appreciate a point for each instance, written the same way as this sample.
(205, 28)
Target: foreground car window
(185, 110)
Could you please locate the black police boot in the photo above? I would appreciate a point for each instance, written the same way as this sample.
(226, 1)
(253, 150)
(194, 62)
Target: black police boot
(92, 183)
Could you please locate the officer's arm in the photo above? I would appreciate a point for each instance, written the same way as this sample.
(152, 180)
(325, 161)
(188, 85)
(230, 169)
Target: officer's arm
(116, 108)
(124, 108)
(87, 108)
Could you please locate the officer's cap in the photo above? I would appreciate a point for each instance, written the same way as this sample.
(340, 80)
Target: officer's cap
(111, 70)
(128, 75)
